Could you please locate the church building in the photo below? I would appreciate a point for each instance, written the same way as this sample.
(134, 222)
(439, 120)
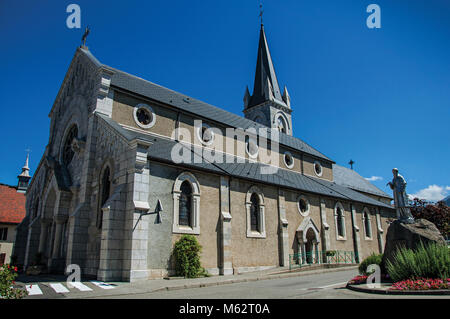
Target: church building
(110, 195)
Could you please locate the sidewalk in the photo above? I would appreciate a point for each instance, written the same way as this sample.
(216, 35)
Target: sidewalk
(149, 286)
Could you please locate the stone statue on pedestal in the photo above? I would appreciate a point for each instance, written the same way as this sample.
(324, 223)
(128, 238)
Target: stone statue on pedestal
(398, 185)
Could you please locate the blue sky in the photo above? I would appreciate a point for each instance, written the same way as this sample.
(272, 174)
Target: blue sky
(378, 96)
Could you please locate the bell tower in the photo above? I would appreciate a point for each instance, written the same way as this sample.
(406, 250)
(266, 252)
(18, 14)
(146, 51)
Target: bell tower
(268, 105)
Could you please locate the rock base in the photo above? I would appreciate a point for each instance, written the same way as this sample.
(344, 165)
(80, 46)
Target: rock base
(400, 234)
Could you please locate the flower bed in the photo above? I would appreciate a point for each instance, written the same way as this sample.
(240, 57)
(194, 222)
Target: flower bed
(421, 284)
(358, 280)
(8, 274)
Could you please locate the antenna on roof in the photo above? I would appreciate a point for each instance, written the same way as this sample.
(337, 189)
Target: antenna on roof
(351, 164)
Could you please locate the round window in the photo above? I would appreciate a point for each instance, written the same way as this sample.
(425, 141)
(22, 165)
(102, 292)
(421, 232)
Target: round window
(205, 134)
(288, 160)
(318, 168)
(251, 146)
(144, 116)
(303, 205)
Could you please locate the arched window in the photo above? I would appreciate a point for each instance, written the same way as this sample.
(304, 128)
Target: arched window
(67, 152)
(281, 124)
(254, 212)
(105, 188)
(366, 222)
(340, 222)
(185, 204)
(339, 218)
(254, 203)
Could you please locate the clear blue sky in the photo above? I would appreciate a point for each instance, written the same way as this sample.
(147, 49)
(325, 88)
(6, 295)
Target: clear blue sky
(378, 96)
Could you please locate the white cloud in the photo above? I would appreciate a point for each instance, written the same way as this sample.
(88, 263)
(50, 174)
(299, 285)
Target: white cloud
(374, 178)
(432, 193)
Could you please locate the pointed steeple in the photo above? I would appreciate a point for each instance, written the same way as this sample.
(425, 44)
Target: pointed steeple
(24, 177)
(265, 77)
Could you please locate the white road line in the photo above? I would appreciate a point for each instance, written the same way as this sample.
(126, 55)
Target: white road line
(102, 285)
(33, 290)
(340, 283)
(78, 285)
(59, 288)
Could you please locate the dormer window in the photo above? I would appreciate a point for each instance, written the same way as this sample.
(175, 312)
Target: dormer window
(251, 146)
(205, 134)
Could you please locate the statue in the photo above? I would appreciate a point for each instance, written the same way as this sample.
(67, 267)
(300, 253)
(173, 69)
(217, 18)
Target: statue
(398, 185)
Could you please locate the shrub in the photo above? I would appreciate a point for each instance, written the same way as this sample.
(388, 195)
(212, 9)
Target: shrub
(438, 214)
(7, 276)
(330, 253)
(372, 259)
(187, 257)
(427, 261)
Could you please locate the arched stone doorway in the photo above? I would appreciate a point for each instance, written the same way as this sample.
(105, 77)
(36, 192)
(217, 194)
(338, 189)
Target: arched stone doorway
(308, 240)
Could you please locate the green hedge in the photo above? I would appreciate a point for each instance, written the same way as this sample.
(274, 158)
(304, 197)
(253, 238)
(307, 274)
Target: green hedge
(372, 259)
(187, 257)
(427, 261)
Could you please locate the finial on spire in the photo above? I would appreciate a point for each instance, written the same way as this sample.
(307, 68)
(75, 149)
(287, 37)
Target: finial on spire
(261, 11)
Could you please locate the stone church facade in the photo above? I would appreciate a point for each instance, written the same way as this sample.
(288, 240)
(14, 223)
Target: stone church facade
(108, 195)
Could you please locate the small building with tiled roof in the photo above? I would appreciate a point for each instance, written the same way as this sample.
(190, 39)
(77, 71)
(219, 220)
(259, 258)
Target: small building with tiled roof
(12, 212)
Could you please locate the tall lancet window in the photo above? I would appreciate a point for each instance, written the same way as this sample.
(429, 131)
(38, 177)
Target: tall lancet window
(340, 222)
(185, 203)
(254, 212)
(105, 188)
(67, 153)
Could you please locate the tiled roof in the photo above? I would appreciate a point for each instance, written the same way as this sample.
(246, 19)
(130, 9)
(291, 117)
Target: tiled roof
(349, 178)
(161, 94)
(161, 148)
(12, 205)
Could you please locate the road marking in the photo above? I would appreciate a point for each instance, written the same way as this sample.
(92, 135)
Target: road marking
(59, 288)
(102, 285)
(33, 290)
(78, 285)
(340, 283)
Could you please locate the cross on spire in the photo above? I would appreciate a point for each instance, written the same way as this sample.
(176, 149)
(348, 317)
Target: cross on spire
(86, 33)
(351, 163)
(261, 11)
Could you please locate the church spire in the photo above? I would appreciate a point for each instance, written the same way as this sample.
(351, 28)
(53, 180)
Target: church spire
(266, 86)
(268, 105)
(24, 177)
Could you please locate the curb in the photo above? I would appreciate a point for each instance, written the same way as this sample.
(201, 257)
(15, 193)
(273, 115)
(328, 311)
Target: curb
(398, 292)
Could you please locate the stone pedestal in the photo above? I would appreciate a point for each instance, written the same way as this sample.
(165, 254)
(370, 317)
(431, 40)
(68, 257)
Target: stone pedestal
(409, 236)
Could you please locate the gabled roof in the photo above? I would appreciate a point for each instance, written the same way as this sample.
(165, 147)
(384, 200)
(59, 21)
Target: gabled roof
(12, 205)
(265, 73)
(349, 178)
(201, 109)
(161, 150)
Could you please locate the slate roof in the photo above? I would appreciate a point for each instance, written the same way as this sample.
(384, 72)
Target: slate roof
(265, 71)
(161, 148)
(349, 178)
(201, 109)
(12, 205)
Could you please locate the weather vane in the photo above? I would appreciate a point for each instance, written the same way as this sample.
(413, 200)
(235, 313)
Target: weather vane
(86, 33)
(261, 11)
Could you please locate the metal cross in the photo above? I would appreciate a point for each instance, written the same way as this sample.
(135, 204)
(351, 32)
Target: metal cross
(351, 163)
(261, 11)
(86, 33)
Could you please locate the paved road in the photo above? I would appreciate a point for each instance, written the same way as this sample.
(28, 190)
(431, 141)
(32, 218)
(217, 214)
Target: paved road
(326, 285)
